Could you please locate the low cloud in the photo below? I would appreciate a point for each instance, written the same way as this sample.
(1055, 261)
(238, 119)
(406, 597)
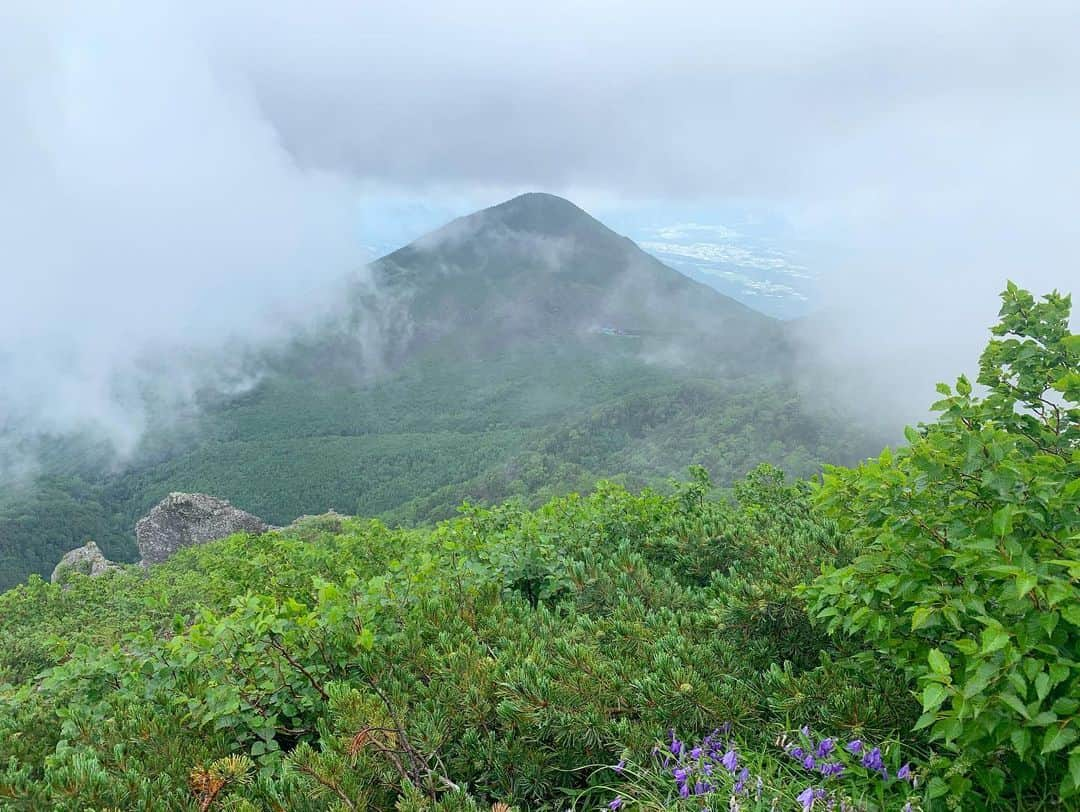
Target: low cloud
(185, 174)
(155, 229)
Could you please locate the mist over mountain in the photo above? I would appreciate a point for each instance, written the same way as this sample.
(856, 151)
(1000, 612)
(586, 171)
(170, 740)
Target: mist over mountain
(523, 350)
(539, 266)
(205, 163)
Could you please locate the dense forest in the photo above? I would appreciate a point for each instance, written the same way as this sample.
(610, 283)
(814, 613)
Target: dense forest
(902, 634)
(411, 447)
(505, 371)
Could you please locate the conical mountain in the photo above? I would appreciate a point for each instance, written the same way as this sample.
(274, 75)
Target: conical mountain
(539, 266)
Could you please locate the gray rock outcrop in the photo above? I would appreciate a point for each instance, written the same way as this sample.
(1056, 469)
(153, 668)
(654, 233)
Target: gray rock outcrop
(88, 560)
(183, 519)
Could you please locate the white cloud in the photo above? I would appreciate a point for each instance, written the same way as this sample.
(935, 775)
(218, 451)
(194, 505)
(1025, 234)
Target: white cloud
(151, 215)
(760, 287)
(681, 231)
(728, 254)
(174, 169)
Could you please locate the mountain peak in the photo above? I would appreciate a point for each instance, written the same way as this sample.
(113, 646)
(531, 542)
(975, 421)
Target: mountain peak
(539, 202)
(539, 266)
(539, 199)
(540, 213)
(519, 220)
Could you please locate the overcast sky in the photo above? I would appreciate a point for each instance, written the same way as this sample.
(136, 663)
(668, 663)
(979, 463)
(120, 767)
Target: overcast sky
(172, 172)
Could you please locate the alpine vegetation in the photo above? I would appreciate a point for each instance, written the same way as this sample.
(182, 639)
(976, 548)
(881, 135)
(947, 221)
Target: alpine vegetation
(898, 635)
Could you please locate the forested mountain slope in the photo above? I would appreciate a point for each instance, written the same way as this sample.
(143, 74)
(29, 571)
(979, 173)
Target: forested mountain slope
(538, 265)
(525, 350)
(897, 636)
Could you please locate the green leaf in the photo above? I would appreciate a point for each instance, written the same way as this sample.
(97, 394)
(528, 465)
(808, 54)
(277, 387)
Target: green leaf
(925, 721)
(1057, 591)
(1072, 565)
(933, 695)
(921, 617)
(1057, 738)
(994, 638)
(1066, 706)
(1042, 685)
(1014, 702)
(936, 788)
(1071, 613)
(1021, 740)
(1025, 582)
(1003, 520)
(938, 662)
(977, 684)
(966, 646)
(366, 639)
(1017, 681)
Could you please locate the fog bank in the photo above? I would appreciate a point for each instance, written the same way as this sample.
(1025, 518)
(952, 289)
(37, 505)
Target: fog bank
(185, 175)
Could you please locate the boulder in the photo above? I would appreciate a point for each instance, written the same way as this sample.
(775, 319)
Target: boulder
(88, 560)
(183, 519)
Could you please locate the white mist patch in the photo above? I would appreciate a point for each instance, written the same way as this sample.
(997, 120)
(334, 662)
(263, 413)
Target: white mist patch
(148, 207)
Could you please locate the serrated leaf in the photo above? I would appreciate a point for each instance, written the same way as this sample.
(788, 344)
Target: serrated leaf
(966, 646)
(1044, 719)
(1021, 740)
(1042, 685)
(1003, 520)
(925, 720)
(1071, 613)
(1014, 702)
(1016, 679)
(936, 788)
(976, 685)
(1057, 738)
(939, 664)
(1057, 591)
(994, 638)
(1025, 582)
(921, 617)
(933, 695)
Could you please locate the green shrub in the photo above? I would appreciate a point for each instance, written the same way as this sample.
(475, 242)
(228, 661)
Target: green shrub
(968, 576)
(503, 652)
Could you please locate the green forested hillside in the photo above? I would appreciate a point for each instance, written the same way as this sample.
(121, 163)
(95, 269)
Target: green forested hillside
(902, 635)
(525, 351)
(412, 446)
